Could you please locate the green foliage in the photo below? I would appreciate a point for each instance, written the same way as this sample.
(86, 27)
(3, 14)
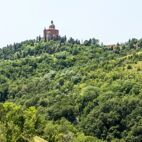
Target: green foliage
(64, 91)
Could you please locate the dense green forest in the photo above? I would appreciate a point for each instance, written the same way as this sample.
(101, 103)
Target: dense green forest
(64, 91)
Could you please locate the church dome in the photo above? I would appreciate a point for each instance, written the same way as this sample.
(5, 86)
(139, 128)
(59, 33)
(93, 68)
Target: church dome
(52, 26)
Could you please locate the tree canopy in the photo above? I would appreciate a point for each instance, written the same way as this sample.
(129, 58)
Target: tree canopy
(67, 91)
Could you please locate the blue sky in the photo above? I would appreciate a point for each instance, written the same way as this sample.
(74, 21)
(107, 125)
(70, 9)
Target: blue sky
(111, 21)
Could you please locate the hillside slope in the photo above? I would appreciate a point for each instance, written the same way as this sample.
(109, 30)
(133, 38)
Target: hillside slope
(71, 92)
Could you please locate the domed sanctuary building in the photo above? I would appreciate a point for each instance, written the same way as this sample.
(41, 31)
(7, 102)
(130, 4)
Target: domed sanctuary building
(51, 33)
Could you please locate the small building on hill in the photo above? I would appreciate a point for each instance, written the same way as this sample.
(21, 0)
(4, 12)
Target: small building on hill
(51, 33)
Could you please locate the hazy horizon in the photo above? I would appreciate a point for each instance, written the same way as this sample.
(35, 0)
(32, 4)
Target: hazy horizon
(109, 21)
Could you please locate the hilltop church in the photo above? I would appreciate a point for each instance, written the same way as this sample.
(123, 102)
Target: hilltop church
(51, 33)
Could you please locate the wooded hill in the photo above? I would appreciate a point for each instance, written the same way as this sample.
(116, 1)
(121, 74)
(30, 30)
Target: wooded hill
(64, 91)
